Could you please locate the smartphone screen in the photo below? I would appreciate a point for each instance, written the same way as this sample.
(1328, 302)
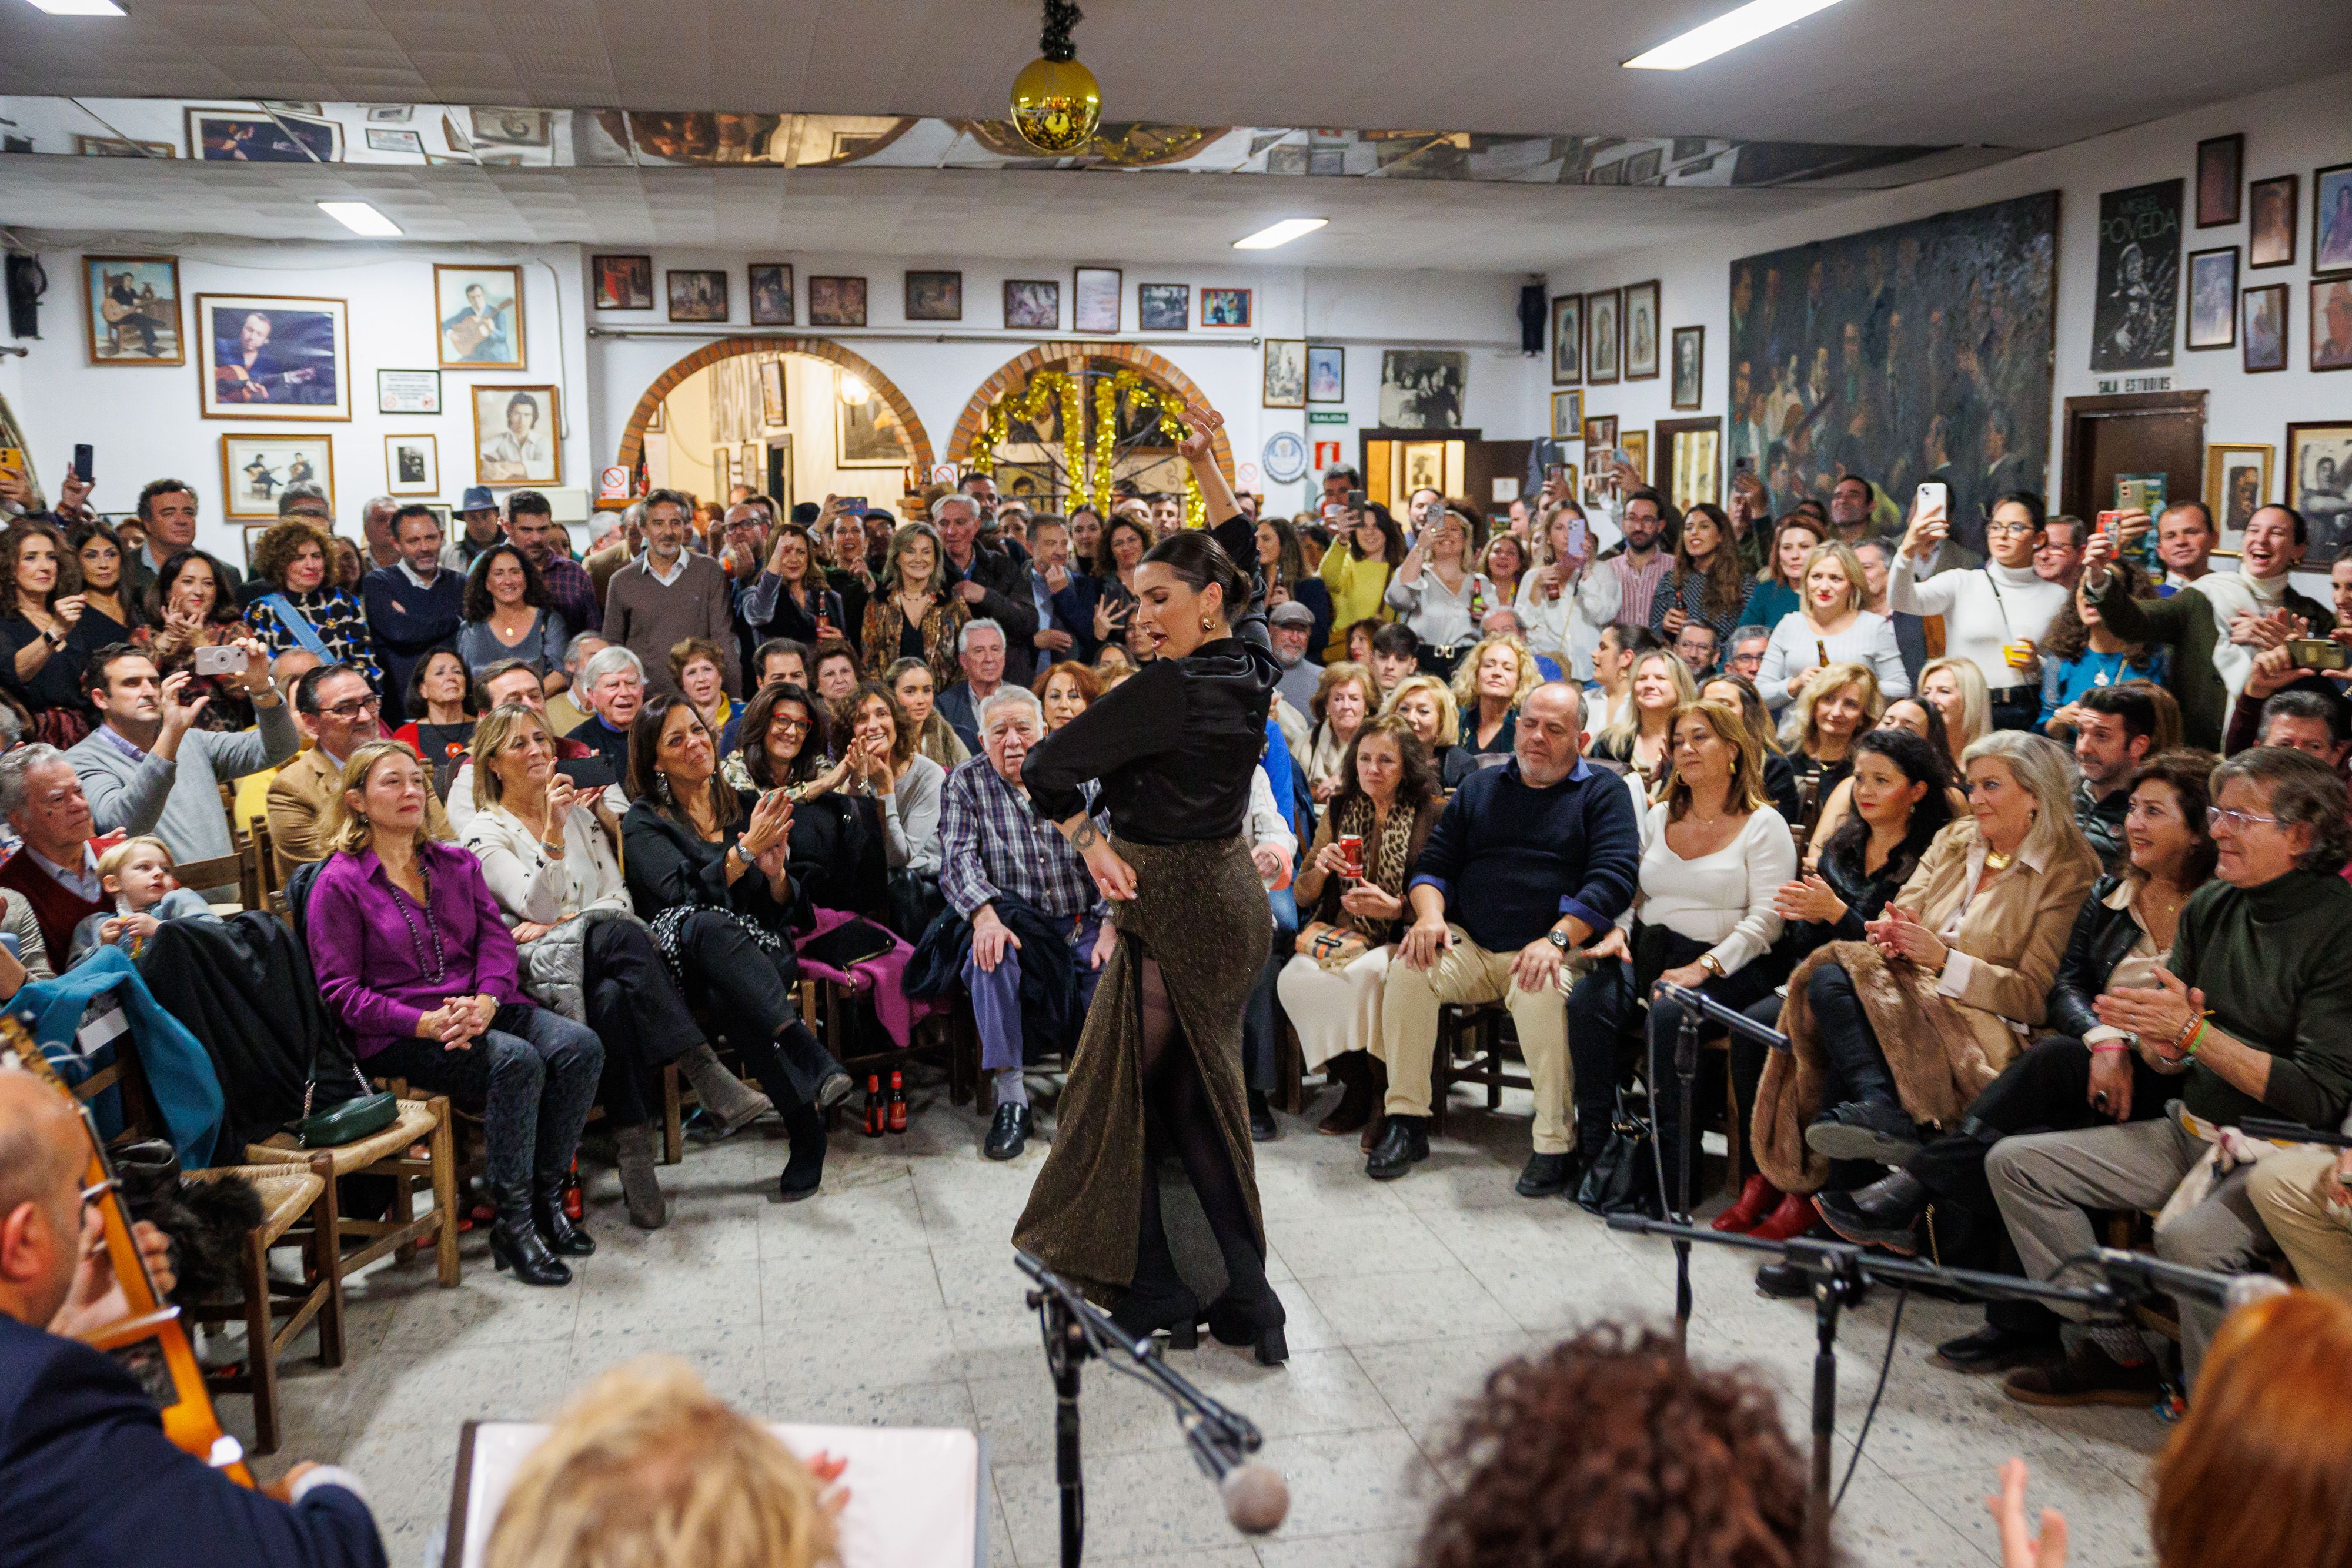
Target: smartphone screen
(84, 455)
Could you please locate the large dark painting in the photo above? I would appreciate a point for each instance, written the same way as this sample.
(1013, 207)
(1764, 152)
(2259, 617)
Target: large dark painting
(1916, 352)
(2139, 278)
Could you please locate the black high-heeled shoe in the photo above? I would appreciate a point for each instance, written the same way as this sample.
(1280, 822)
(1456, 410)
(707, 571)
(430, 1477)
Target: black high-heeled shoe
(563, 1238)
(1179, 1316)
(806, 1169)
(1252, 1318)
(515, 1242)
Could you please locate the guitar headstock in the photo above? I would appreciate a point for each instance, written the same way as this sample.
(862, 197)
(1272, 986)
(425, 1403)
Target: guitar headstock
(17, 1041)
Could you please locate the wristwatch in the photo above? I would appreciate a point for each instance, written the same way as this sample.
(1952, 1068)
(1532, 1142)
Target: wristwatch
(1711, 964)
(1557, 939)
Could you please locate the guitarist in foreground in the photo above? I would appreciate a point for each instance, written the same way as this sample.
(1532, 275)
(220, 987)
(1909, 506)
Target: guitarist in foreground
(86, 1476)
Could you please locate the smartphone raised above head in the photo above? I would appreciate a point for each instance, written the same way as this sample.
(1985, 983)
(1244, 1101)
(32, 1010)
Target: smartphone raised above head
(85, 456)
(1935, 497)
(1355, 500)
(1576, 534)
(2318, 654)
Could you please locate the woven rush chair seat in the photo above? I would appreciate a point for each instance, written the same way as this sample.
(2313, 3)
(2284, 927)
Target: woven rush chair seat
(416, 1121)
(286, 1193)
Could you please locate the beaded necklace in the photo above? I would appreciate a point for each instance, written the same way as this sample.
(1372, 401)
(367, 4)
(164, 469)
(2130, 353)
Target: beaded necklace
(439, 962)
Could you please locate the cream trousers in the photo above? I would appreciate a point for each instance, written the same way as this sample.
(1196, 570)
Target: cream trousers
(1468, 974)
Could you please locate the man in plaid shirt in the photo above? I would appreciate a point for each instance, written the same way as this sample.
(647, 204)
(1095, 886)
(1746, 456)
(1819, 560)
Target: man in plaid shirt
(996, 848)
(532, 525)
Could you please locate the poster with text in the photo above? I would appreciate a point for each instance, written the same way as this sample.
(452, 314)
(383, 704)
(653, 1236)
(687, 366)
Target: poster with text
(2136, 307)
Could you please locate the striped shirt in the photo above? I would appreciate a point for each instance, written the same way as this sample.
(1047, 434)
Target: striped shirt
(1636, 584)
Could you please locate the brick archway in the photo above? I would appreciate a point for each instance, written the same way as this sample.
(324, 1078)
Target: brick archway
(633, 435)
(1014, 373)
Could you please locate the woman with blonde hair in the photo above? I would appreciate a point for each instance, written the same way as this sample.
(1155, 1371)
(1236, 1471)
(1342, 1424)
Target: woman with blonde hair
(1714, 852)
(1343, 703)
(1424, 705)
(1955, 974)
(914, 615)
(1957, 689)
(1493, 679)
(550, 856)
(646, 1466)
(1642, 734)
(1830, 627)
(415, 961)
(1837, 703)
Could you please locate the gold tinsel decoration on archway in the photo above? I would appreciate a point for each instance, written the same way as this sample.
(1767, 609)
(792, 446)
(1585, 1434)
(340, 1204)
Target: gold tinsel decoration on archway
(1089, 474)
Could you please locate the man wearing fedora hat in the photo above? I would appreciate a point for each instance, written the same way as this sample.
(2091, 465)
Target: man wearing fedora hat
(478, 529)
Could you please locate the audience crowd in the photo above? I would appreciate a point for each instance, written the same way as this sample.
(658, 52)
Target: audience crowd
(2034, 859)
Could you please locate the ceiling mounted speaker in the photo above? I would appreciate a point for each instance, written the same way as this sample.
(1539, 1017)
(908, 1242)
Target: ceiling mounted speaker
(1533, 318)
(27, 284)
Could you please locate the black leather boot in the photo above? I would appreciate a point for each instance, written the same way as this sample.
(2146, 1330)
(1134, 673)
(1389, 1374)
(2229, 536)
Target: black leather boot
(805, 1168)
(1883, 1214)
(515, 1241)
(1157, 1299)
(563, 1238)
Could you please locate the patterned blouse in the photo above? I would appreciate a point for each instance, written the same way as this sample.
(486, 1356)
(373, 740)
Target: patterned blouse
(334, 614)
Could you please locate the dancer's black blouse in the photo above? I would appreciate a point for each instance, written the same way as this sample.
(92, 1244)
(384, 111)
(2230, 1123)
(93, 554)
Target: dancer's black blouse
(1174, 744)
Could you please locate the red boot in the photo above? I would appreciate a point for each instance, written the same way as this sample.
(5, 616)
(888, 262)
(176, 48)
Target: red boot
(1794, 1216)
(1755, 1200)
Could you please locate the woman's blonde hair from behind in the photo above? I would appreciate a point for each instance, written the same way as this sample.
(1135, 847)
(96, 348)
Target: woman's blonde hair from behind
(645, 1467)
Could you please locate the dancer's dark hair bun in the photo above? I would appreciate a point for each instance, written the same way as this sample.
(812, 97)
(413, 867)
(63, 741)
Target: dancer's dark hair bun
(1198, 560)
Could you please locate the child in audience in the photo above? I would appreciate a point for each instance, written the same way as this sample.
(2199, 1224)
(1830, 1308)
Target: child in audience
(137, 875)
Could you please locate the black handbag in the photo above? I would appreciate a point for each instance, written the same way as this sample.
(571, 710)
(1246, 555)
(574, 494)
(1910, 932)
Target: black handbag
(847, 945)
(1623, 1176)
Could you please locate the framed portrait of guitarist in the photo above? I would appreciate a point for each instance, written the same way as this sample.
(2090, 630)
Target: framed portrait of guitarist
(273, 357)
(478, 313)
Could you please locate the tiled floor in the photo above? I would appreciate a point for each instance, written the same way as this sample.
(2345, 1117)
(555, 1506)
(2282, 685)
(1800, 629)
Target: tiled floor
(891, 1298)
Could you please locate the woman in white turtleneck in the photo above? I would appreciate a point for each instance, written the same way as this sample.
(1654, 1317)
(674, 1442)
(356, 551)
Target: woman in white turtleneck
(1992, 613)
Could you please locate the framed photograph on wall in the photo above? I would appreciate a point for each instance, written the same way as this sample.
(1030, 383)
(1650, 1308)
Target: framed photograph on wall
(517, 438)
(771, 293)
(1690, 461)
(2319, 486)
(1567, 339)
(1636, 444)
(1032, 304)
(412, 466)
(773, 407)
(2237, 486)
(1423, 389)
(935, 297)
(2269, 238)
(1599, 436)
(1095, 299)
(2264, 339)
(273, 356)
(2331, 220)
(1224, 308)
(1642, 331)
(479, 309)
(698, 294)
(1327, 373)
(1690, 366)
(2331, 324)
(253, 135)
(254, 468)
(866, 434)
(2213, 298)
(2138, 289)
(1603, 359)
(1286, 373)
(131, 309)
(836, 302)
(1163, 307)
(2220, 171)
(623, 282)
(1567, 415)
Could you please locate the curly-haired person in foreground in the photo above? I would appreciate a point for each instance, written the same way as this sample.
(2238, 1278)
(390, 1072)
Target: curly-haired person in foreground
(1610, 1450)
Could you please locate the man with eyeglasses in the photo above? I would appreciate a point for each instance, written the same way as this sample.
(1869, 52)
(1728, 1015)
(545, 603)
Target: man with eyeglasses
(2218, 626)
(87, 1474)
(338, 713)
(55, 870)
(2255, 1011)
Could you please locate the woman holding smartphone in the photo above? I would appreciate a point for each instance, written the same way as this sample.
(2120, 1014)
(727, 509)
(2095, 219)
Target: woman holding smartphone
(1357, 576)
(1993, 615)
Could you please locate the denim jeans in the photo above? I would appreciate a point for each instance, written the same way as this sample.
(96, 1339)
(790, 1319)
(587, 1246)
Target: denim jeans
(533, 1076)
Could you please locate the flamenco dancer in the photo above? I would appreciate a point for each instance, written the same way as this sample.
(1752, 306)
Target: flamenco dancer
(1158, 1069)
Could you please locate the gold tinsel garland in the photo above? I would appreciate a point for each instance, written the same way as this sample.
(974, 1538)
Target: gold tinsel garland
(1089, 480)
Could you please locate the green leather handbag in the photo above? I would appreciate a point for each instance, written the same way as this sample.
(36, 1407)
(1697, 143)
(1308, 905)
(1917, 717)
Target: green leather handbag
(367, 1113)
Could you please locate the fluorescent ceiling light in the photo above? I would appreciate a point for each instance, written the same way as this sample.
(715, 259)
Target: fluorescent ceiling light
(1283, 233)
(1726, 32)
(360, 218)
(78, 7)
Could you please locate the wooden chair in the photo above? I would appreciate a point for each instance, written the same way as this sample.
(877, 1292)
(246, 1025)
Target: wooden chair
(219, 872)
(424, 1118)
(1483, 1062)
(297, 1204)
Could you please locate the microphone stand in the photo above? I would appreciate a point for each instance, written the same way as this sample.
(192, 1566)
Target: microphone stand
(1842, 1274)
(1075, 1329)
(1696, 1005)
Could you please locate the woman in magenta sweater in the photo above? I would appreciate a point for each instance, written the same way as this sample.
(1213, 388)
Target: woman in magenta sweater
(415, 958)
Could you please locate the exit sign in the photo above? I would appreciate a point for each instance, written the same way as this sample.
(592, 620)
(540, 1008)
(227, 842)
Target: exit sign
(1327, 416)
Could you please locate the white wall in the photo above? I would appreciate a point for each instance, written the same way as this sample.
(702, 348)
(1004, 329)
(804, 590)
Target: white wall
(2287, 130)
(144, 422)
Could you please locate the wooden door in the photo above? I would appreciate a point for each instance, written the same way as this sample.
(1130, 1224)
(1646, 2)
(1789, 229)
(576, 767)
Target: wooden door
(1483, 463)
(2142, 433)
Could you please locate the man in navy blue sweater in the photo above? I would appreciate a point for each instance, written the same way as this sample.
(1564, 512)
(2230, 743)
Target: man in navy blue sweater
(86, 1476)
(1527, 860)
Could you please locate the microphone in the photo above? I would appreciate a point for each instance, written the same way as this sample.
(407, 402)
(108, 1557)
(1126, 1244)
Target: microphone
(1731, 1019)
(1256, 1499)
(2228, 1292)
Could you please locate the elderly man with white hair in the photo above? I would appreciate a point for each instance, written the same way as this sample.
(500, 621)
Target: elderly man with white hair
(1038, 925)
(984, 652)
(613, 685)
(992, 582)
